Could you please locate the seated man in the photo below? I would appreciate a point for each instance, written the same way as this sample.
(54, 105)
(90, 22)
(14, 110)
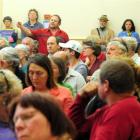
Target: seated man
(103, 34)
(73, 49)
(119, 119)
(53, 45)
(32, 45)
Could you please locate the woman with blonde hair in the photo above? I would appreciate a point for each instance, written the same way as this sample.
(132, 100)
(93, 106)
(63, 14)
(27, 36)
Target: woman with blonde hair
(10, 86)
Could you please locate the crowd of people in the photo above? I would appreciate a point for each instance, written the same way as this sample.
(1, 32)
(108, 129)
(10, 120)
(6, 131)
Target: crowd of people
(55, 88)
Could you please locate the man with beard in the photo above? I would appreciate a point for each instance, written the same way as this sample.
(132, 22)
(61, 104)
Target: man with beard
(41, 35)
(102, 34)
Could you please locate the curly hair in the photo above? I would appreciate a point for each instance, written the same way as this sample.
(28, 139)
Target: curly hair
(14, 85)
(34, 10)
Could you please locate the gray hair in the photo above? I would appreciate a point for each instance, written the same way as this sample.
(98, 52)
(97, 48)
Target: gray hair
(9, 54)
(119, 45)
(29, 39)
(22, 47)
(131, 43)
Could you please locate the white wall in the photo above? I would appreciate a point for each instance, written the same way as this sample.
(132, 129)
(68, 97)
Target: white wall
(1, 5)
(78, 16)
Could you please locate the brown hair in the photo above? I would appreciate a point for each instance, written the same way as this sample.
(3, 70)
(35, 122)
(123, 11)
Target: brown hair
(47, 105)
(34, 10)
(44, 62)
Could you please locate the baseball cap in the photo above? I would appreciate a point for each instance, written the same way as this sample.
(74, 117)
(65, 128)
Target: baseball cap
(72, 44)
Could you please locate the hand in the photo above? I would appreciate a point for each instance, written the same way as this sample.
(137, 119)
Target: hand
(101, 42)
(88, 78)
(87, 61)
(89, 90)
(19, 24)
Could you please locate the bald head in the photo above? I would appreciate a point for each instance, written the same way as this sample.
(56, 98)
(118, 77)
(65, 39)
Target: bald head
(61, 54)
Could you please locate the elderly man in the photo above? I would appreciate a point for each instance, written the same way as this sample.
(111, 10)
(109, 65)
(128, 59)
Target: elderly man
(116, 48)
(41, 35)
(103, 34)
(113, 49)
(119, 119)
(30, 43)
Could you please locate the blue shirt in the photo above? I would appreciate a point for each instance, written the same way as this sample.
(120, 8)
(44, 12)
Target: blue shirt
(132, 34)
(6, 133)
(35, 26)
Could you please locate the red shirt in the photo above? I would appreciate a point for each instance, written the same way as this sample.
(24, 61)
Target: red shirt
(41, 35)
(121, 121)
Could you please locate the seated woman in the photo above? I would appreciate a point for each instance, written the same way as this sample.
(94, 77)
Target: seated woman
(8, 91)
(40, 78)
(34, 113)
(92, 51)
(9, 60)
(59, 70)
(128, 29)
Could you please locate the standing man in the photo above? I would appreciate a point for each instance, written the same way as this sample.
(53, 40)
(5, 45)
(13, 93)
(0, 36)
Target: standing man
(41, 35)
(102, 34)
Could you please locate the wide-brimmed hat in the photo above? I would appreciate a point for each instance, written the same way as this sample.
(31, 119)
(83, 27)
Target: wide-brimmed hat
(104, 17)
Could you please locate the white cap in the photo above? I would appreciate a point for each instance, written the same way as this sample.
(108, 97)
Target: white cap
(72, 44)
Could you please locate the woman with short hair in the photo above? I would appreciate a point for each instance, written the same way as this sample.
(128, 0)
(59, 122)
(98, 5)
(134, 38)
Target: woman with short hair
(39, 117)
